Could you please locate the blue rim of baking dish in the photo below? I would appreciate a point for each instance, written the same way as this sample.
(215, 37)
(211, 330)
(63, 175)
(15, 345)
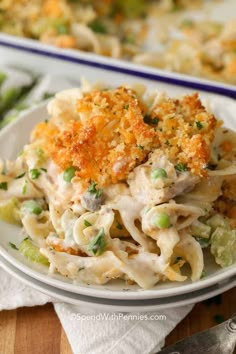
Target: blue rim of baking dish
(193, 84)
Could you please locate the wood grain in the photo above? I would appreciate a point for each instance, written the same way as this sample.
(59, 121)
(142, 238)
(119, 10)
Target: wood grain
(7, 331)
(37, 330)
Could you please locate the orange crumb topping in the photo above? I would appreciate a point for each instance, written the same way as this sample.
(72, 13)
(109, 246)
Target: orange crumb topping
(113, 135)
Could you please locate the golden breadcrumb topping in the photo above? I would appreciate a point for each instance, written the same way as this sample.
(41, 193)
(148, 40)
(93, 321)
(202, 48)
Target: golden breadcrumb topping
(185, 131)
(115, 134)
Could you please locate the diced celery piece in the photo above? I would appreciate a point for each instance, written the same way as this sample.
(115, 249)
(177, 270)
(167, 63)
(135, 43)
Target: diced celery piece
(9, 97)
(131, 8)
(200, 229)
(9, 211)
(30, 251)
(3, 77)
(223, 246)
(218, 221)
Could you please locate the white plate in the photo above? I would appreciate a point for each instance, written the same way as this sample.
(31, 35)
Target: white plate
(12, 139)
(119, 305)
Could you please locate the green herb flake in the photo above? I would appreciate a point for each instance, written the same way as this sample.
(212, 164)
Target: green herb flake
(4, 186)
(43, 169)
(219, 319)
(140, 147)
(97, 245)
(47, 95)
(199, 125)
(98, 27)
(204, 274)
(181, 167)
(24, 188)
(93, 189)
(40, 155)
(158, 173)
(87, 223)
(148, 120)
(34, 173)
(204, 242)
(13, 246)
(126, 106)
(21, 175)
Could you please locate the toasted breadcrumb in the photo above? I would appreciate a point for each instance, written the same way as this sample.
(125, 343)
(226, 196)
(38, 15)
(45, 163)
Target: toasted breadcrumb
(116, 133)
(185, 131)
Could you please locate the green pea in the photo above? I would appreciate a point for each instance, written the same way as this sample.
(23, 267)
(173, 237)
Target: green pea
(32, 207)
(158, 173)
(162, 221)
(69, 173)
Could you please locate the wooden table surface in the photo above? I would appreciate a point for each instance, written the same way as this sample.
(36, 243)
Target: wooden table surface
(37, 330)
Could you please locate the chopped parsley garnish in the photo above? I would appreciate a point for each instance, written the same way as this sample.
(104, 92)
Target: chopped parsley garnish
(181, 167)
(69, 173)
(199, 125)
(158, 173)
(119, 226)
(43, 169)
(148, 120)
(87, 223)
(4, 186)
(13, 246)
(140, 147)
(34, 173)
(97, 26)
(21, 175)
(24, 188)
(203, 275)
(40, 154)
(126, 106)
(97, 245)
(204, 242)
(167, 142)
(93, 189)
(47, 95)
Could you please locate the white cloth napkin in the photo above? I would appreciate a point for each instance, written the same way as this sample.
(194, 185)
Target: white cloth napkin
(91, 332)
(93, 335)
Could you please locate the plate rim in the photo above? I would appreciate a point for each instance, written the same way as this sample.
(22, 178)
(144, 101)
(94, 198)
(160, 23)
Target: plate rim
(103, 292)
(98, 305)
